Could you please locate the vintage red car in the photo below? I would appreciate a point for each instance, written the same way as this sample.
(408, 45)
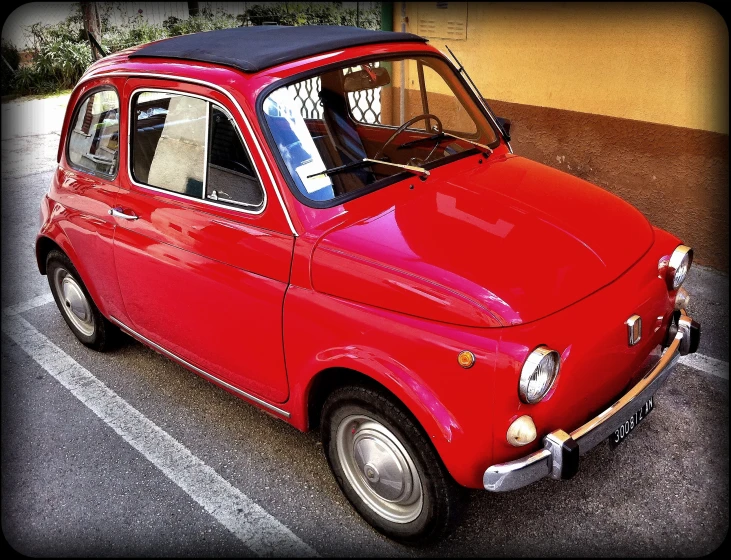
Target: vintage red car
(330, 223)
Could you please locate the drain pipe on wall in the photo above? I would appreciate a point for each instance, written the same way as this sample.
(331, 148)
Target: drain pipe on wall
(402, 108)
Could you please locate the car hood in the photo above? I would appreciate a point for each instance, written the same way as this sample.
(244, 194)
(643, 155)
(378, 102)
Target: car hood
(504, 243)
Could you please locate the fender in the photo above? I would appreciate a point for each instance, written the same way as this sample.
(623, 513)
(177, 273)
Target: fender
(405, 384)
(52, 214)
(452, 405)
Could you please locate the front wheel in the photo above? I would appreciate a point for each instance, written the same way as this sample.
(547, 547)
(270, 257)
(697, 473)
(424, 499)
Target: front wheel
(386, 466)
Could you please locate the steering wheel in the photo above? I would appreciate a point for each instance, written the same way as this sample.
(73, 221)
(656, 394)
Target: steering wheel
(399, 130)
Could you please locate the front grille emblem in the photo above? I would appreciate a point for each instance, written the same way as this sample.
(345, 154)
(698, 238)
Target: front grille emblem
(634, 329)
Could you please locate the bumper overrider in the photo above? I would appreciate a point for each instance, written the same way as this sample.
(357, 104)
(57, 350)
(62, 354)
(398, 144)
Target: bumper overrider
(559, 457)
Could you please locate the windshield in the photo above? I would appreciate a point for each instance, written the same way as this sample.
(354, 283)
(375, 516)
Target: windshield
(411, 111)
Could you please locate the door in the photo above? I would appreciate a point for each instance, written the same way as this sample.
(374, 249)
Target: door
(86, 185)
(201, 266)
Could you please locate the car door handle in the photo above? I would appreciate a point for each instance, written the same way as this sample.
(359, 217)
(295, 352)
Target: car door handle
(117, 212)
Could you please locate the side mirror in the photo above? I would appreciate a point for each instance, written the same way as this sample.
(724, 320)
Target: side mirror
(505, 125)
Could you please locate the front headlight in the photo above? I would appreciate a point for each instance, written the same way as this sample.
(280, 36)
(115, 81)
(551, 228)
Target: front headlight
(538, 374)
(678, 266)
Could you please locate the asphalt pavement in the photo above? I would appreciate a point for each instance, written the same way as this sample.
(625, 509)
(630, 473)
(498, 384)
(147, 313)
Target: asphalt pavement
(129, 454)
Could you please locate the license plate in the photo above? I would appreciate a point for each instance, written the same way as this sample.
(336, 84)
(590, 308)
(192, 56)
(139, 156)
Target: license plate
(631, 423)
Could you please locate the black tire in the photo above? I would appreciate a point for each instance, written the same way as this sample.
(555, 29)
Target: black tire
(443, 499)
(103, 334)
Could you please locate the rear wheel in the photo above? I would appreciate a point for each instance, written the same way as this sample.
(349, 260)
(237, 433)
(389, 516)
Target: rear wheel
(76, 306)
(386, 466)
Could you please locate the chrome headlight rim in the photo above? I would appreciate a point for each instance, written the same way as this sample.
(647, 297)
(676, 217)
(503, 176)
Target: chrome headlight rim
(532, 363)
(682, 255)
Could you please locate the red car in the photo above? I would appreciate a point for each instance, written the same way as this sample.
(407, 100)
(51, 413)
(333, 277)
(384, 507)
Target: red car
(331, 224)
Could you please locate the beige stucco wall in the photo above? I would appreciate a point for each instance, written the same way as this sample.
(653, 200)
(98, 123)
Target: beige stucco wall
(662, 63)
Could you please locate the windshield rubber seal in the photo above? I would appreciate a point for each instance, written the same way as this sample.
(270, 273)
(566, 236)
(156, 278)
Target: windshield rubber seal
(386, 181)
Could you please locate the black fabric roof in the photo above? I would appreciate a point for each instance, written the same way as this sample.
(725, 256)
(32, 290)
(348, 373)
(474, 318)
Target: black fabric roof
(254, 48)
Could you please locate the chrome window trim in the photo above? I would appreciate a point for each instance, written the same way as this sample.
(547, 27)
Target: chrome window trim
(143, 89)
(207, 155)
(238, 173)
(251, 160)
(198, 370)
(230, 98)
(75, 113)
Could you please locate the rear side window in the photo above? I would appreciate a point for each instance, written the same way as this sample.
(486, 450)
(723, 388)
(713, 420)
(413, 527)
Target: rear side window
(93, 142)
(190, 146)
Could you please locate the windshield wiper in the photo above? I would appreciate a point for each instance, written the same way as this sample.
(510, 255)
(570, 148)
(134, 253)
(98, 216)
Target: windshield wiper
(440, 135)
(463, 71)
(366, 161)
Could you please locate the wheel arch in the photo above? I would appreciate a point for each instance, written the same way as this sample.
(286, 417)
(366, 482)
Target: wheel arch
(45, 245)
(47, 242)
(330, 379)
(438, 428)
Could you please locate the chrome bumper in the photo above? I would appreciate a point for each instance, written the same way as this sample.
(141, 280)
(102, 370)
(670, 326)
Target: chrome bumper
(559, 458)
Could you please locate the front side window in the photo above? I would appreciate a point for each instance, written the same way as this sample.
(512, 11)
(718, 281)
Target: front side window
(93, 142)
(190, 146)
(329, 128)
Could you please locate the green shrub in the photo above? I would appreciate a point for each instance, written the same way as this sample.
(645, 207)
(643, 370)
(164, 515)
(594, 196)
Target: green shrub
(57, 65)
(203, 22)
(27, 80)
(63, 62)
(62, 51)
(61, 56)
(308, 13)
(11, 58)
(118, 38)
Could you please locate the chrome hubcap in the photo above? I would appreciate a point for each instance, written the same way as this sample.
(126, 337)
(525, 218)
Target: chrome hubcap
(379, 468)
(74, 302)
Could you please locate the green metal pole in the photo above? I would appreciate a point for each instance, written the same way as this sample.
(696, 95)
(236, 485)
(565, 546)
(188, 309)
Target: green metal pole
(386, 16)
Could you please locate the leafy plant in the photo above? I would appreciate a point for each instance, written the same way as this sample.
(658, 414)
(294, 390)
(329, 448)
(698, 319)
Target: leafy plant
(310, 13)
(63, 62)
(203, 22)
(9, 65)
(118, 38)
(62, 51)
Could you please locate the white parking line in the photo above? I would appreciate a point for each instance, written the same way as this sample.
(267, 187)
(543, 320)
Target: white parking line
(28, 305)
(706, 364)
(258, 530)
